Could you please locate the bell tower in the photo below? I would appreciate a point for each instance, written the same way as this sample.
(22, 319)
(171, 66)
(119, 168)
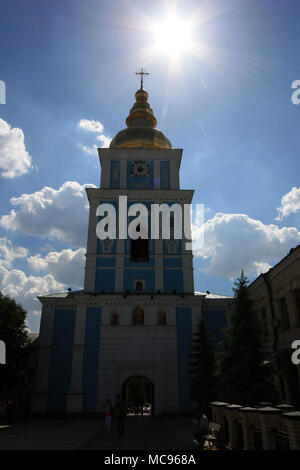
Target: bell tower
(141, 165)
(138, 310)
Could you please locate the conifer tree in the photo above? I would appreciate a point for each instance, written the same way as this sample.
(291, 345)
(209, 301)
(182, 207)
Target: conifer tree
(202, 368)
(244, 375)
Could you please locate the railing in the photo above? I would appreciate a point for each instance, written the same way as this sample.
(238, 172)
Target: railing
(259, 427)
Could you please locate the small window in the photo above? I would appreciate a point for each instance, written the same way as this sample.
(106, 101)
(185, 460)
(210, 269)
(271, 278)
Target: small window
(138, 316)
(162, 318)
(139, 285)
(114, 318)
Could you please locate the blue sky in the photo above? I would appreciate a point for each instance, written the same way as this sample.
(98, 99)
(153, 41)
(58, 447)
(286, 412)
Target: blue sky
(228, 106)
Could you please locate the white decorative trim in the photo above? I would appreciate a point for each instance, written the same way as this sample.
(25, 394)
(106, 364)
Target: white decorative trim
(75, 393)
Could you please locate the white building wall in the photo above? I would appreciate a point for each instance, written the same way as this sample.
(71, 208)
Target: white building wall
(150, 351)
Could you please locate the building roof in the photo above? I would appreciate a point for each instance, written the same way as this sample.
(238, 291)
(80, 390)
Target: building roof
(277, 266)
(64, 295)
(209, 295)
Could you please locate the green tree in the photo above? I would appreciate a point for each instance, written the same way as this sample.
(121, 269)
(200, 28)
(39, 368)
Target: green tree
(244, 375)
(202, 368)
(13, 333)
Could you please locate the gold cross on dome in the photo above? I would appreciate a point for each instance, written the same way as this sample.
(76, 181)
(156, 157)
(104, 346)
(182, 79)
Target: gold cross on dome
(142, 72)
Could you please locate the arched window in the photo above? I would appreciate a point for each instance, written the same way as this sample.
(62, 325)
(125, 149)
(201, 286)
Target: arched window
(138, 316)
(114, 318)
(162, 317)
(139, 285)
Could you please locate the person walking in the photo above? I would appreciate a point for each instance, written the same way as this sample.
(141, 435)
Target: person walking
(120, 412)
(108, 409)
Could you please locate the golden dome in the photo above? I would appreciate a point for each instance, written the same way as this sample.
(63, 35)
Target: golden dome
(141, 127)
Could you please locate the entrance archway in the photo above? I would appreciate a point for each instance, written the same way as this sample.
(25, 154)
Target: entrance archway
(138, 395)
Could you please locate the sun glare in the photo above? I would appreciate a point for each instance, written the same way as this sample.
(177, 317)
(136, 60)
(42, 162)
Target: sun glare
(172, 37)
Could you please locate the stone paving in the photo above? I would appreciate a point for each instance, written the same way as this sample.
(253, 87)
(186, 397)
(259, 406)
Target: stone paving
(146, 433)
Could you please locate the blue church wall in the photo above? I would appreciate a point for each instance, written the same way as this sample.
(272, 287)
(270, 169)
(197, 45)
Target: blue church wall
(61, 360)
(105, 280)
(184, 338)
(172, 262)
(164, 175)
(105, 261)
(135, 182)
(147, 274)
(173, 280)
(115, 175)
(215, 320)
(148, 264)
(91, 358)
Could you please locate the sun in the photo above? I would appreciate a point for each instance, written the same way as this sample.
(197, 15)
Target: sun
(172, 36)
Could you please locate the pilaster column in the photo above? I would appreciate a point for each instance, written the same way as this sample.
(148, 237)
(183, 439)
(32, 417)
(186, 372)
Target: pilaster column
(269, 418)
(90, 273)
(90, 263)
(105, 173)
(156, 174)
(174, 174)
(75, 393)
(123, 174)
(40, 394)
(119, 269)
(159, 266)
(188, 273)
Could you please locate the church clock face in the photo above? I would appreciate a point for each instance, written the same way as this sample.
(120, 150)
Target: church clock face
(140, 169)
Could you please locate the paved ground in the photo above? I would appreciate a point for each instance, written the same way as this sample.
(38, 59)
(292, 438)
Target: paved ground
(88, 434)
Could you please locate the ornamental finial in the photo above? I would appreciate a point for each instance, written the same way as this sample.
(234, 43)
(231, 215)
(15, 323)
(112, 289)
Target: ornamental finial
(142, 72)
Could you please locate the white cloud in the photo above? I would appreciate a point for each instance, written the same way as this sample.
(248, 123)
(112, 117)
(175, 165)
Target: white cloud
(236, 241)
(66, 266)
(8, 252)
(261, 267)
(95, 127)
(290, 203)
(62, 269)
(89, 150)
(91, 125)
(24, 289)
(105, 141)
(58, 214)
(14, 158)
